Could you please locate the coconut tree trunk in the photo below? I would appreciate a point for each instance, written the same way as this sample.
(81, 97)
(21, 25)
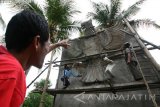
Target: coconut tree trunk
(151, 59)
(46, 82)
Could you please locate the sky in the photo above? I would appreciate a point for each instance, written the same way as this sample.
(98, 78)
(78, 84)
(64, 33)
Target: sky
(149, 10)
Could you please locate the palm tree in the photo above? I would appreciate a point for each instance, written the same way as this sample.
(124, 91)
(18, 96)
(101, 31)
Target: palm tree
(40, 84)
(108, 15)
(33, 98)
(58, 13)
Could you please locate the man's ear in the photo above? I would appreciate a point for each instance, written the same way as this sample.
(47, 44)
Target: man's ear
(37, 42)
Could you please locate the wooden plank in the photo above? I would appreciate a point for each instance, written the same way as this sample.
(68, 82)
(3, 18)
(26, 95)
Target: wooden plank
(117, 87)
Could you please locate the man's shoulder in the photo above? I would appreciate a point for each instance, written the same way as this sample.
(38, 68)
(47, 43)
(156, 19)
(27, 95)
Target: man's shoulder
(9, 66)
(10, 61)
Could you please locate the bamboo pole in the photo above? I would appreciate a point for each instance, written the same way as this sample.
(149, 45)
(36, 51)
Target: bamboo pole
(46, 82)
(83, 57)
(151, 59)
(37, 77)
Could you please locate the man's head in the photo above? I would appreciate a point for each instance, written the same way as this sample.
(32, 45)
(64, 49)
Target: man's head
(66, 67)
(126, 45)
(28, 30)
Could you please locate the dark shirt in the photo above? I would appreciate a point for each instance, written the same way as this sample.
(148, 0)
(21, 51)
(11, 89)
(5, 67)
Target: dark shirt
(129, 50)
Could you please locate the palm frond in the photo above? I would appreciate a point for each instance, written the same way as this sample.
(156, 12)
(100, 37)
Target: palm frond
(68, 7)
(132, 10)
(106, 15)
(55, 12)
(59, 14)
(64, 29)
(100, 14)
(140, 2)
(115, 8)
(96, 6)
(144, 22)
(70, 26)
(25, 4)
(35, 7)
(18, 4)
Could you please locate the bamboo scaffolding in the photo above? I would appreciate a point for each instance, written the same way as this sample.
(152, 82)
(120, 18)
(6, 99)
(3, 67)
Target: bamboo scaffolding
(134, 86)
(151, 59)
(137, 37)
(72, 63)
(84, 57)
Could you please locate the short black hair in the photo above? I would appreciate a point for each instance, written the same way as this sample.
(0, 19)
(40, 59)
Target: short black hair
(126, 45)
(23, 27)
(66, 67)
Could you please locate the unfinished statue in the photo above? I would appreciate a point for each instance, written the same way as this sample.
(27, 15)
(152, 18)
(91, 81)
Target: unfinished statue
(109, 67)
(100, 71)
(88, 28)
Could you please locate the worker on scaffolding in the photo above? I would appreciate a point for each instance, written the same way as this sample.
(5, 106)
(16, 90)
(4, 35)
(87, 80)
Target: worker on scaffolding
(131, 61)
(67, 73)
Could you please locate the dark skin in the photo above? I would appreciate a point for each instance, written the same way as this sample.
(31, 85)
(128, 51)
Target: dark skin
(35, 53)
